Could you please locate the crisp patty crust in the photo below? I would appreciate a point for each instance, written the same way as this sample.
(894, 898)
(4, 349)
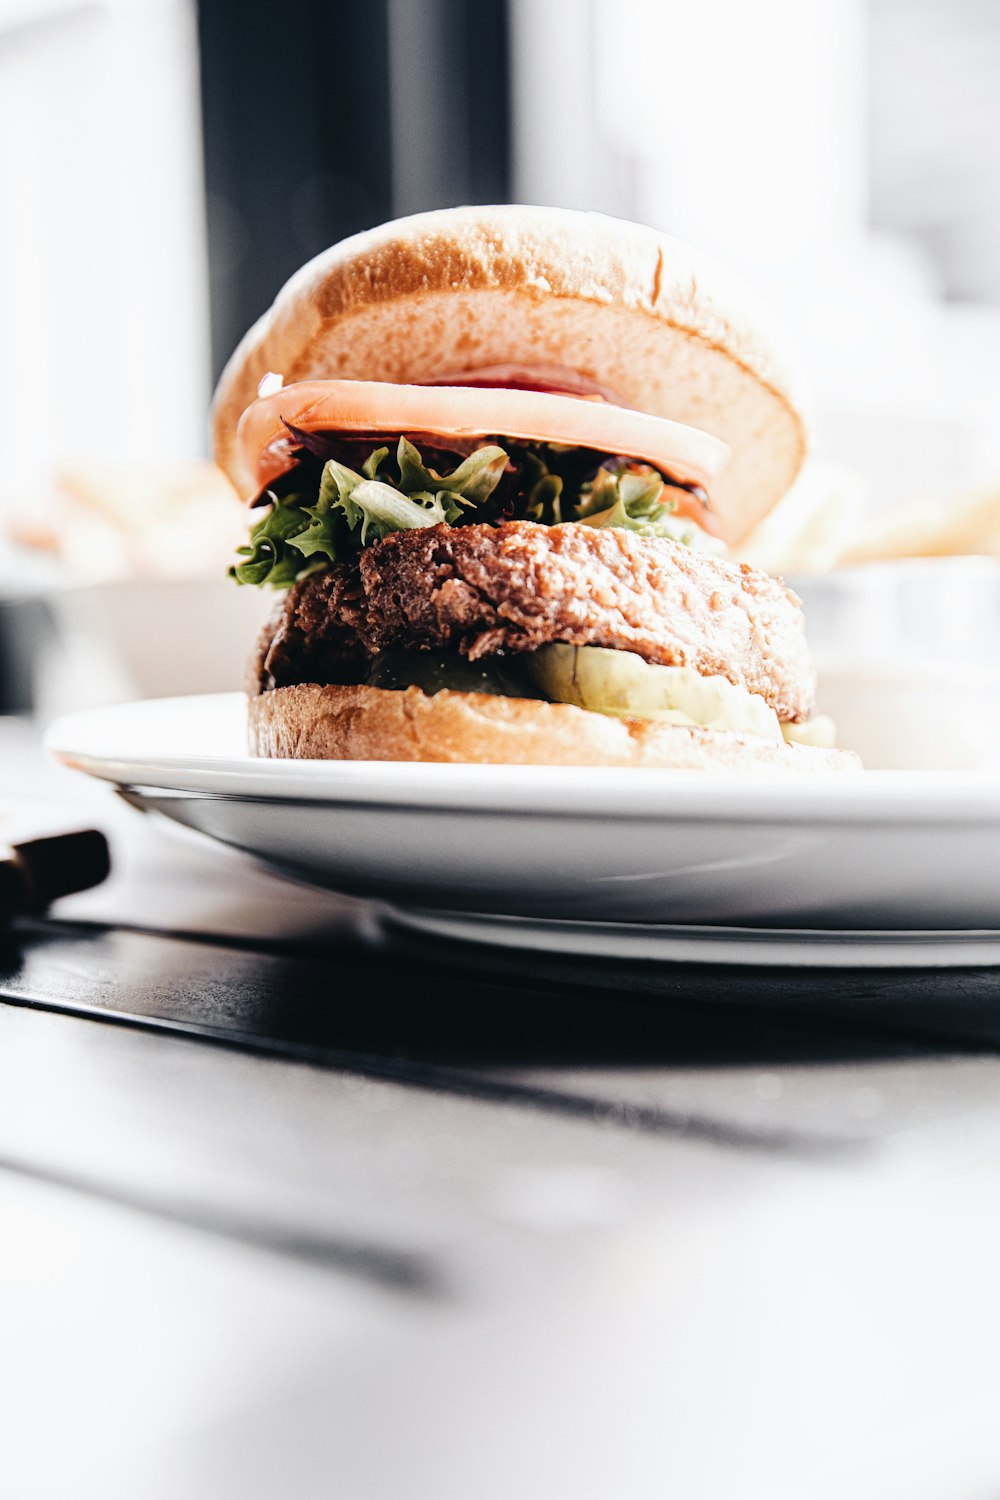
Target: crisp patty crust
(486, 590)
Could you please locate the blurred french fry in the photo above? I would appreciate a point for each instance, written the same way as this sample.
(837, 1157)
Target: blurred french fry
(109, 520)
(811, 528)
(825, 521)
(967, 525)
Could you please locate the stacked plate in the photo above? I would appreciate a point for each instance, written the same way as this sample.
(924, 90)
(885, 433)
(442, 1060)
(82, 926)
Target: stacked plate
(890, 867)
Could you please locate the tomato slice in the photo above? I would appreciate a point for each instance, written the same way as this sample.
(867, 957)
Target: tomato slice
(462, 412)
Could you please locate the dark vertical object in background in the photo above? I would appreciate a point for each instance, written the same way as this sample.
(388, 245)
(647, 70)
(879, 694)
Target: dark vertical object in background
(27, 633)
(449, 68)
(320, 120)
(296, 132)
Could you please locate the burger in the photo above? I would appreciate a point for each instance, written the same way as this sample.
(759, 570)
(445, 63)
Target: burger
(497, 462)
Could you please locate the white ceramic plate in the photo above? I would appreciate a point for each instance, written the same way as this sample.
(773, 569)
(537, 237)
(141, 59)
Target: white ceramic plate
(886, 859)
(674, 943)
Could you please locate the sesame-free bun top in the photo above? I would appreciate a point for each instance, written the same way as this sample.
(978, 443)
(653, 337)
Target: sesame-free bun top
(577, 300)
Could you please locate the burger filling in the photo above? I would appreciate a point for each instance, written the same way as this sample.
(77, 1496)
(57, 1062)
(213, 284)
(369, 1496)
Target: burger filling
(606, 618)
(342, 494)
(512, 568)
(618, 683)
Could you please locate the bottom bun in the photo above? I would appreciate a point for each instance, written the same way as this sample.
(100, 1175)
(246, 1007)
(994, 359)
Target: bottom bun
(310, 722)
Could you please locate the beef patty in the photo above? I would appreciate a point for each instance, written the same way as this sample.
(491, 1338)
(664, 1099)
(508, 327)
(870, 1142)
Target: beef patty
(485, 590)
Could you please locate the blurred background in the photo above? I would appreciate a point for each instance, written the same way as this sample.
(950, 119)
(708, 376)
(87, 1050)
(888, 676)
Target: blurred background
(165, 165)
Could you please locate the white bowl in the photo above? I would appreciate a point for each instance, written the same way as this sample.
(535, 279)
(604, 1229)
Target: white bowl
(147, 638)
(908, 661)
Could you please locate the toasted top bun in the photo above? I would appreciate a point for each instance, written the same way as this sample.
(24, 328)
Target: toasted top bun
(576, 301)
(310, 722)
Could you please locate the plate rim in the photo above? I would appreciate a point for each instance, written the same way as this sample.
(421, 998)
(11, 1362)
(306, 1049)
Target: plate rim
(733, 947)
(592, 792)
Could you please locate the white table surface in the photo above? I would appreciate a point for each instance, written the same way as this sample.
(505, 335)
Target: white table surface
(329, 1221)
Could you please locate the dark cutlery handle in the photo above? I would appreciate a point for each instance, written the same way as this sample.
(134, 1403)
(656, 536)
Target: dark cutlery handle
(38, 871)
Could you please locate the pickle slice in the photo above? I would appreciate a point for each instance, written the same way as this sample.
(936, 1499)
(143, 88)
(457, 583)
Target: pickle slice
(624, 685)
(433, 670)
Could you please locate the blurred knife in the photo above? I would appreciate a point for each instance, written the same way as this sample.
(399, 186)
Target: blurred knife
(38, 871)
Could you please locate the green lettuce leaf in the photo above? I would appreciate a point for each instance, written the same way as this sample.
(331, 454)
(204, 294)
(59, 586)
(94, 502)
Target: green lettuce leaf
(382, 509)
(353, 509)
(544, 491)
(373, 463)
(472, 483)
(268, 559)
(632, 503)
